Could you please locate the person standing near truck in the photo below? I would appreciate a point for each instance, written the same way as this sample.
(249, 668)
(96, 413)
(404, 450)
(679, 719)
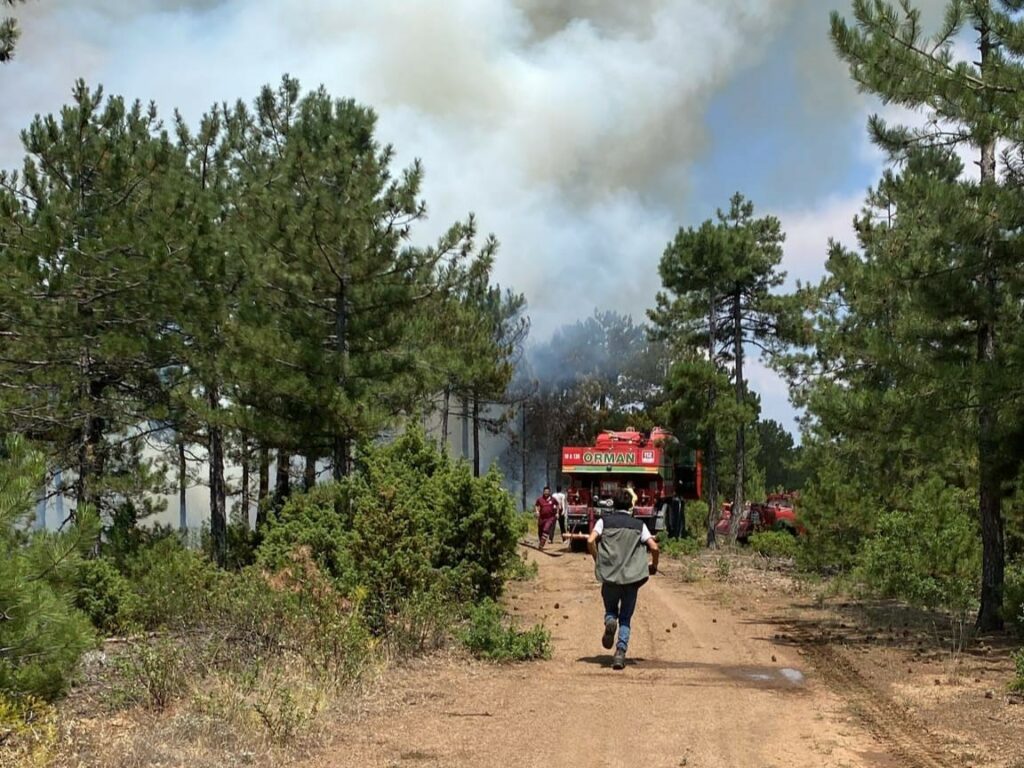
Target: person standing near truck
(562, 499)
(619, 544)
(545, 509)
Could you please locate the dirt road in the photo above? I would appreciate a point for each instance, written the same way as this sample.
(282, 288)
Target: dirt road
(705, 687)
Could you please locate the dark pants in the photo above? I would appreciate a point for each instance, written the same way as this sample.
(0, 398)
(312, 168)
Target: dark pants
(619, 604)
(675, 523)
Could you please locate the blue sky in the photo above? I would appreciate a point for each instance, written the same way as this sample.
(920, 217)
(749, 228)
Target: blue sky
(581, 132)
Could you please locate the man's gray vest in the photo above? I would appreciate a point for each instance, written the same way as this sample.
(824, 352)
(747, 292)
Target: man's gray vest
(621, 558)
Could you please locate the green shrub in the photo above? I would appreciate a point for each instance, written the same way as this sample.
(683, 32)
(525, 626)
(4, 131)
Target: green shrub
(928, 553)
(723, 568)
(696, 516)
(241, 545)
(677, 549)
(410, 521)
(41, 635)
(174, 587)
(1013, 594)
(775, 544)
(838, 508)
(422, 623)
(1017, 684)
(125, 534)
(489, 636)
(318, 521)
(481, 529)
(104, 595)
(155, 672)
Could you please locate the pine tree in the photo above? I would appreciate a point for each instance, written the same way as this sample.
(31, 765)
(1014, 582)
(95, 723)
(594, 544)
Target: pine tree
(85, 296)
(41, 636)
(717, 300)
(499, 327)
(9, 32)
(975, 104)
(328, 338)
(209, 279)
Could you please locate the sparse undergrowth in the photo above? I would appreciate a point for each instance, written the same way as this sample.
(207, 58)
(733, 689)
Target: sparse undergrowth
(1017, 684)
(400, 559)
(778, 544)
(490, 635)
(677, 549)
(28, 732)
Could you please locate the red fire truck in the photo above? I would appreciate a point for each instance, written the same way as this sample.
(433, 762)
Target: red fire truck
(601, 471)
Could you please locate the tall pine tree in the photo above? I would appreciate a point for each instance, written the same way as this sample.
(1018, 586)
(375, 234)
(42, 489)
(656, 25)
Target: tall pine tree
(973, 104)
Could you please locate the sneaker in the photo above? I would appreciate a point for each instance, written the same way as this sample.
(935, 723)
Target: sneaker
(608, 638)
(619, 659)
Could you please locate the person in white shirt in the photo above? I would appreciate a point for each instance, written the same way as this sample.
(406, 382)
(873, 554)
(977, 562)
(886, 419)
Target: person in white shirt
(619, 545)
(563, 501)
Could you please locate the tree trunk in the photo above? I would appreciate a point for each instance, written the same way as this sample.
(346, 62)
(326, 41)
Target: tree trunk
(282, 479)
(711, 467)
(218, 498)
(476, 437)
(989, 503)
(465, 428)
(342, 442)
(90, 461)
(263, 492)
(741, 453)
(182, 485)
(245, 480)
(712, 438)
(522, 448)
(309, 472)
(445, 407)
(341, 457)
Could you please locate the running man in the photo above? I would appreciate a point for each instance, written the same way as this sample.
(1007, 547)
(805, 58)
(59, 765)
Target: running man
(619, 545)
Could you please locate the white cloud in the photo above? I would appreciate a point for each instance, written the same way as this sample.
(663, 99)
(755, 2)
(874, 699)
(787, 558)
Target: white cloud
(808, 232)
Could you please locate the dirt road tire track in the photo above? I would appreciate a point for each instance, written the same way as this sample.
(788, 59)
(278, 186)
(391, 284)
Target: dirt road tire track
(904, 737)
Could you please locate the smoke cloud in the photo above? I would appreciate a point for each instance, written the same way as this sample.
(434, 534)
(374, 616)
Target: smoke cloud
(568, 127)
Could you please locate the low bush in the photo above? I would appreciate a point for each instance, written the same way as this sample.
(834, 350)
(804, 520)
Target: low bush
(489, 635)
(409, 522)
(242, 542)
(927, 553)
(423, 622)
(678, 548)
(696, 515)
(154, 673)
(775, 544)
(104, 595)
(41, 634)
(723, 568)
(1017, 684)
(174, 586)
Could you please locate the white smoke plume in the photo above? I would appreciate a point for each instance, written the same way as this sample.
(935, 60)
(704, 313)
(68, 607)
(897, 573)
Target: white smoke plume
(568, 126)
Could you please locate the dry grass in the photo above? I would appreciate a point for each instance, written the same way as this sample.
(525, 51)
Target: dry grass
(271, 717)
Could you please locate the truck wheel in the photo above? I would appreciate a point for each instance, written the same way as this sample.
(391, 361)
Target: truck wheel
(784, 528)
